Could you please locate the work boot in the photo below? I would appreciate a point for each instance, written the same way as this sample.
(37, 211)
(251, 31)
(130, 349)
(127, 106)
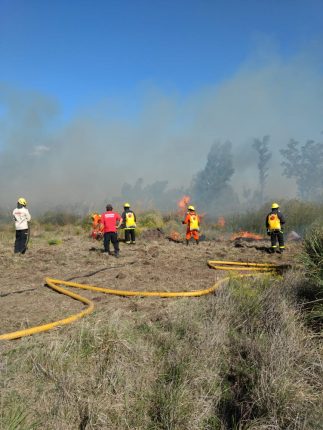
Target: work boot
(116, 254)
(197, 242)
(271, 250)
(187, 242)
(133, 242)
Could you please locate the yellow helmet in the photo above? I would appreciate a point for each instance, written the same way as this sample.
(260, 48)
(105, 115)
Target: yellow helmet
(191, 208)
(22, 201)
(275, 206)
(126, 205)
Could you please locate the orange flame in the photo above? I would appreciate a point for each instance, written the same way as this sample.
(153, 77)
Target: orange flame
(247, 235)
(183, 203)
(175, 236)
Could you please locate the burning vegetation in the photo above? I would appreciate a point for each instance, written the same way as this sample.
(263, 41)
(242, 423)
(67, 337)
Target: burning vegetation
(247, 235)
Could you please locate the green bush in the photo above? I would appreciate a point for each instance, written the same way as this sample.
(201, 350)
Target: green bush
(312, 256)
(311, 291)
(54, 242)
(150, 220)
(59, 218)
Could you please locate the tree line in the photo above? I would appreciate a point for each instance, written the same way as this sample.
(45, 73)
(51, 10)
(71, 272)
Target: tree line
(211, 188)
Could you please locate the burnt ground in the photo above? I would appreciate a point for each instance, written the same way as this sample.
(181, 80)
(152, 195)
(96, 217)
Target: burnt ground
(155, 264)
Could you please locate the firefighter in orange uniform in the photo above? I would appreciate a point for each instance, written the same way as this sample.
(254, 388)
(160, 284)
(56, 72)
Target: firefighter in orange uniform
(274, 224)
(192, 220)
(97, 226)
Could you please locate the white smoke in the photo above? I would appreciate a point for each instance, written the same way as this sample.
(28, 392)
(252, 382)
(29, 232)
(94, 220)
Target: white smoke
(88, 158)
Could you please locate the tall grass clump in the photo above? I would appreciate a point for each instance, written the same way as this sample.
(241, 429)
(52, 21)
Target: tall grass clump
(312, 255)
(151, 219)
(309, 287)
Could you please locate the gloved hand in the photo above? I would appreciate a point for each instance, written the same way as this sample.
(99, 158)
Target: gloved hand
(183, 222)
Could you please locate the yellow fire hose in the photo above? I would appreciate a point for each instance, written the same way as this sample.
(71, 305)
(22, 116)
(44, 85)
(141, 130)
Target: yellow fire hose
(54, 284)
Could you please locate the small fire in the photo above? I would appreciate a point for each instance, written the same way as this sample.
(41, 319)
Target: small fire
(183, 203)
(175, 236)
(246, 235)
(221, 222)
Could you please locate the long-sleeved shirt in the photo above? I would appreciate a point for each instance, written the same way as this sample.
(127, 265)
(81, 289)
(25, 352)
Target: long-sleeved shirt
(21, 217)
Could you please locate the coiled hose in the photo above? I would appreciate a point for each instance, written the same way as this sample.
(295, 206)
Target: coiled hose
(55, 285)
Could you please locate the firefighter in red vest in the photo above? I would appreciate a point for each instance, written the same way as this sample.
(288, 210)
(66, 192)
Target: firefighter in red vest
(111, 222)
(192, 220)
(274, 225)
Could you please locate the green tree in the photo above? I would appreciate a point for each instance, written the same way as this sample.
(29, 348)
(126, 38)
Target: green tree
(264, 155)
(305, 164)
(211, 183)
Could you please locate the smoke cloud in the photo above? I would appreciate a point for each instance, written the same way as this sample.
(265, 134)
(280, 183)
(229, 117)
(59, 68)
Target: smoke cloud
(86, 159)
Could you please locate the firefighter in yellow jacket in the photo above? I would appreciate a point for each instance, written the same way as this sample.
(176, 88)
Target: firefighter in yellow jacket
(129, 224)
(274, 224)
(192, 220)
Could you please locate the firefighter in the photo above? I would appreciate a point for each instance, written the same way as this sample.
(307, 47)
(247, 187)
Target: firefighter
(193, 225)
(274, 225)
(111, 222)
(97, 226)
(129, 224)
(21, 218)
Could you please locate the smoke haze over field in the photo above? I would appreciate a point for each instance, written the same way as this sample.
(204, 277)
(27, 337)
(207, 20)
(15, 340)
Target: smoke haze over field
(87, 158)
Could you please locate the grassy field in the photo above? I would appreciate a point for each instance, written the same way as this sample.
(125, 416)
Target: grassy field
(247, 357)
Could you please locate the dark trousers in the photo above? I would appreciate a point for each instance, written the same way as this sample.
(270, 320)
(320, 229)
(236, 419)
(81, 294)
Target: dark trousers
(21, 241)
(113, 237)
(130, 235)
(277, 235)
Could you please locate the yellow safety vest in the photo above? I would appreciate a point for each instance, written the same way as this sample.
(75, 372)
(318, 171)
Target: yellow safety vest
(130, 220)
(274, 222)
(194, 222)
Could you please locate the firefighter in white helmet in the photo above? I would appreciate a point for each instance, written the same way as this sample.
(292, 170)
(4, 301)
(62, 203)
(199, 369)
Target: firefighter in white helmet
(21, 218)
(274, 225)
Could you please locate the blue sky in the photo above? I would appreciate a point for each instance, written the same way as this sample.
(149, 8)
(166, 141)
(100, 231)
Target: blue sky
(143, 88)
(80, 52)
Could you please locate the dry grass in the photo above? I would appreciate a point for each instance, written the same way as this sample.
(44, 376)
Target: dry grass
(241, 359)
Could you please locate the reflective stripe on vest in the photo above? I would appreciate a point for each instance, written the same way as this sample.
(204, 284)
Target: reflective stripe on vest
(194, 222)
(130, 220)
(274, 222)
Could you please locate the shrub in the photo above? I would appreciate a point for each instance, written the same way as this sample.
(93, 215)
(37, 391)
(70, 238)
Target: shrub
(59, 218)
(310, 291)
(54, 242)
(151, 220)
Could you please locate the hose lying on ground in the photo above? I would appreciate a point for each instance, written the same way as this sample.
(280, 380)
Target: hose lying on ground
(54, 284)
